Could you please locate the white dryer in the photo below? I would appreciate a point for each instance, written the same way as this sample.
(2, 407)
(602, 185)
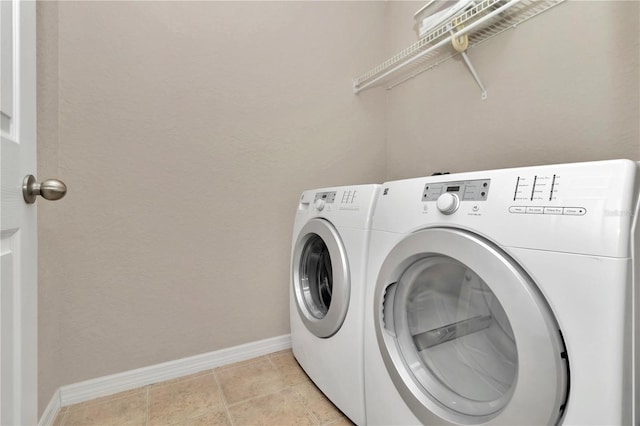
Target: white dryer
(505, 297)
(330, 242)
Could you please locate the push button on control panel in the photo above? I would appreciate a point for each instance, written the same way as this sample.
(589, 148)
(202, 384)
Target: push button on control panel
(574, 211)
(535, 210)
(553, 210)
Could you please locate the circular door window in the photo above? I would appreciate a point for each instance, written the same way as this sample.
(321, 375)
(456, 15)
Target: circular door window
(455, 336)
(320, 278)
(316, 277)
(466, 335)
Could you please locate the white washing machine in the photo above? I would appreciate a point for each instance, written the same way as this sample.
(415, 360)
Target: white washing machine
(330, 242)
(505, 297)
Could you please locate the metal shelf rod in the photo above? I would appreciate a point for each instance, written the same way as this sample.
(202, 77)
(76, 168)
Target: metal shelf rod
(474, 74)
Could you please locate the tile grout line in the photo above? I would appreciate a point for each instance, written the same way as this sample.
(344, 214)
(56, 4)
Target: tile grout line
(273, 364)
(300, 398)
(286, 385)
(148, 407)
(290, 387)
(182, 379)
(222, 396)
(259, 396)
(64, 417)
(241, 364)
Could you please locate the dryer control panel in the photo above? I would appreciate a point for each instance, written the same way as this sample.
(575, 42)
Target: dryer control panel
(587, 208)
(469, 190)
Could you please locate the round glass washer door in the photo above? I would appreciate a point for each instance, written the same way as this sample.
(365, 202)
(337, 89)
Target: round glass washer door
(320, 278)
(465, 334)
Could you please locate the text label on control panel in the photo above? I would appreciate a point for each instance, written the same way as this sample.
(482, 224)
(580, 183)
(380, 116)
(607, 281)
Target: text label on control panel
(537, 188)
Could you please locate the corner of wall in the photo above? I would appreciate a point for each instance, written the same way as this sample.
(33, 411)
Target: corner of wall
(47, 152)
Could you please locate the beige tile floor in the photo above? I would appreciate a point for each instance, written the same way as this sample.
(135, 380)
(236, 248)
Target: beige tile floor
(268, 390)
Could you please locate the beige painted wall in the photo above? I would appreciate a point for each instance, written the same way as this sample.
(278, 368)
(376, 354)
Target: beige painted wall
(185, 132)
(562, 87)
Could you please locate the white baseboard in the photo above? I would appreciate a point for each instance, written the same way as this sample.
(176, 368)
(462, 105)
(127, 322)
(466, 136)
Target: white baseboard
(52, 410)
(120, 382)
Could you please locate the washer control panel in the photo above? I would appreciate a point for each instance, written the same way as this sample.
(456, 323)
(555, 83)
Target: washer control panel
(468, 190)
(322, 198)
(328, 197)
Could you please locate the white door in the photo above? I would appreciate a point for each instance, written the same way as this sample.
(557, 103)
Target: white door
(18, 285)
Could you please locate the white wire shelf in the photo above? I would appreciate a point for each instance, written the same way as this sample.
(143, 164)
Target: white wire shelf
(485, 20)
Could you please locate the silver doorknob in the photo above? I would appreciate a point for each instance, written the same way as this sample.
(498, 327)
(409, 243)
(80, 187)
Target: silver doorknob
(50, 189)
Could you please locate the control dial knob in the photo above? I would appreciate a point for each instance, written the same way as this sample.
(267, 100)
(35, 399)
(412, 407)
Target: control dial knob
(448, 203)
(319, 204)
